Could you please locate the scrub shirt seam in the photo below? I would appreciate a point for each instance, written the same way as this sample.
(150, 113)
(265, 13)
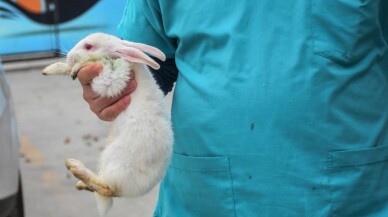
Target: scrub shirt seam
(232, 187)
(329, 167)
(312, 36)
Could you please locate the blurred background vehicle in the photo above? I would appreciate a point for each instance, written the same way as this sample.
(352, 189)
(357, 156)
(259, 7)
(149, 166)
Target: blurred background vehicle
(11, 194)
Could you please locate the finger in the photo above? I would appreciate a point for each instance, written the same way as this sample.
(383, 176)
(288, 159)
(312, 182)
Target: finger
(87, 73)
(88, 94)
(111, 112)
(85, 76)
(131, 86)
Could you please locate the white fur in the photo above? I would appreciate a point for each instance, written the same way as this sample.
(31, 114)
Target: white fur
(113, 78)
(140, 141)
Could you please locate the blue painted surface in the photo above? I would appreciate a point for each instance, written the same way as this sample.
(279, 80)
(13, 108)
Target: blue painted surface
(21, 34)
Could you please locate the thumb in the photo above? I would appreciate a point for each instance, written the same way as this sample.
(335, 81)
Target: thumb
(87, 73)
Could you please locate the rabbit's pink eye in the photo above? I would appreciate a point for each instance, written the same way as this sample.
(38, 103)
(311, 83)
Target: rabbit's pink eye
(88, 46)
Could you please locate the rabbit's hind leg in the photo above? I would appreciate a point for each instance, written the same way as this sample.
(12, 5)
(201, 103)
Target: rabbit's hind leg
(82, 186)
(88, 179)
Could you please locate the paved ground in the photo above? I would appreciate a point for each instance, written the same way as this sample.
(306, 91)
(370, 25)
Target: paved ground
(56, 124)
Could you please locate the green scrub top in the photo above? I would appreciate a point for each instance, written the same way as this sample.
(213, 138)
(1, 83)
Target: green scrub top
(280, 107)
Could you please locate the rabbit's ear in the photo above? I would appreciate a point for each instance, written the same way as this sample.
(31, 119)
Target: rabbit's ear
(146, 49)
(135, 52)
(135, 55)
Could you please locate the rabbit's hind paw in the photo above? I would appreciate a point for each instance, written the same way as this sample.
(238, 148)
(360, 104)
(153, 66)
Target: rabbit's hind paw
(82, 186)
(88, 179)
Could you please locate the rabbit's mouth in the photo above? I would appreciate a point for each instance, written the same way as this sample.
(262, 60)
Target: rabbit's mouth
(76, 61)
(74, 71)
(74, 75)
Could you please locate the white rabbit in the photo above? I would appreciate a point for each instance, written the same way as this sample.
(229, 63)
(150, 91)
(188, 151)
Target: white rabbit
(140, 142)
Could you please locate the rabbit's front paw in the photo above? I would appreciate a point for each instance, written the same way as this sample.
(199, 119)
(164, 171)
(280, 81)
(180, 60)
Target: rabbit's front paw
(113, 79)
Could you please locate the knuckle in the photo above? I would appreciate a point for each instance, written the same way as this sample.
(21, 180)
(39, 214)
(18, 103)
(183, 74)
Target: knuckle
(94, 108)
(85, 95)
(107, 115)
(101, 117)
(89, 95)
(131, 86)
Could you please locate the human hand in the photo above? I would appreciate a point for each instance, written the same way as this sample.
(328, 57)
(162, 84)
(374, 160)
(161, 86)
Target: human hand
(106, 109)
